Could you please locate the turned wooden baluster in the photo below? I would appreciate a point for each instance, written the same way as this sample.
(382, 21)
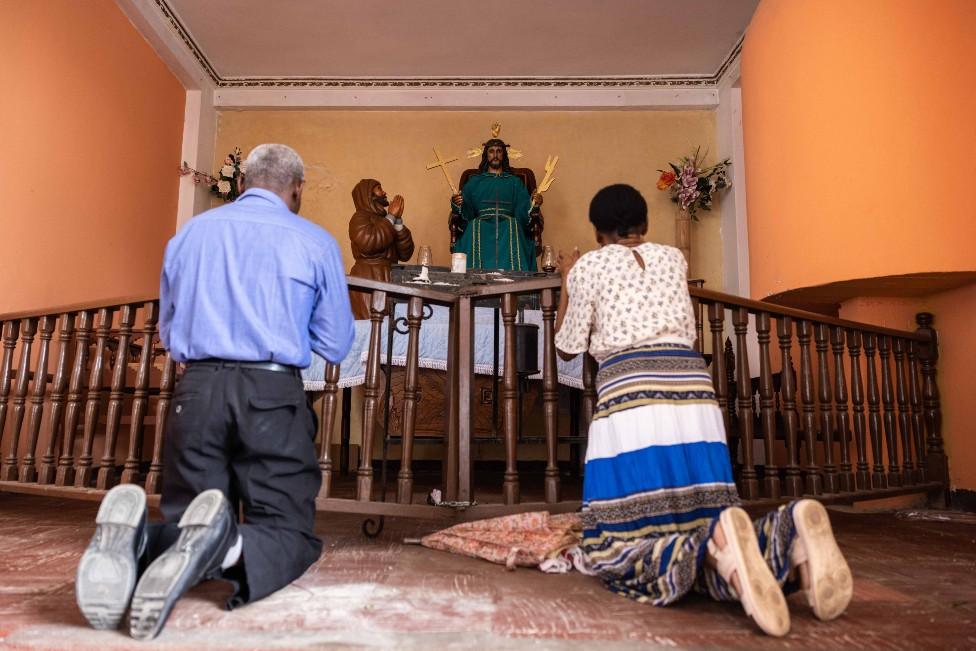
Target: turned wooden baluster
(462, 427)
(140, 395)
(748, 483)
(588, 403)
(767, 408)
(371, 393)
(83, 470)
(813, 483)
(720, 377)
(937, 464)
(76, 390)
(329, 401)
(730, 379)
(904, 420)
(893, 476)
(415, 311)
(550, 394)
(874, 413)
(784, 332)
(843, 425)
(166, 382)
(699, 326)
(510, 485)
(456, 353)
(857, 400)
(11, 331)
(28, 328)
(28, 469)
(915, 401)
(59, 389)
(831, 480)
(107, 476)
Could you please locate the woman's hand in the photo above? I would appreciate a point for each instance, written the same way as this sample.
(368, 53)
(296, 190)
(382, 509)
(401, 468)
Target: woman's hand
(565, 261)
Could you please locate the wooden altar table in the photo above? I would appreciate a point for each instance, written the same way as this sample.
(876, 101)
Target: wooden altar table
(459, 295)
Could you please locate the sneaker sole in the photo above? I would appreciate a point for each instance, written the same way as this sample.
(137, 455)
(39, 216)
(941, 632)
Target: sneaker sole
(154, 597)
(831, 582)
(761, 596)
(107, 575)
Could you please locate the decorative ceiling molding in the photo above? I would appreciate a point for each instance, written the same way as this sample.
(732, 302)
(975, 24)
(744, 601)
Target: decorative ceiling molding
(383, 98)
(479, 83)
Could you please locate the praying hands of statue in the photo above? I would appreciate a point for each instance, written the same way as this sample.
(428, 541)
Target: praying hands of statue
(565, 261)
(396, 207)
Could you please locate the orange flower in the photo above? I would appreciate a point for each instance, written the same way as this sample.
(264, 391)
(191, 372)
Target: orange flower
(667, 178)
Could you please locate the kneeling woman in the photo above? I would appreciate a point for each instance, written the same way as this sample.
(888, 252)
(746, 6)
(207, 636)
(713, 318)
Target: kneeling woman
(660, 509)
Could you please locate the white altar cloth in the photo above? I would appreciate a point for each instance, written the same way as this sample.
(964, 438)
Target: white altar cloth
(434, 335)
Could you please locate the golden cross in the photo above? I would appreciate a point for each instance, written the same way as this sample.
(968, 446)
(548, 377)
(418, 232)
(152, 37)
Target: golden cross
(441, 163)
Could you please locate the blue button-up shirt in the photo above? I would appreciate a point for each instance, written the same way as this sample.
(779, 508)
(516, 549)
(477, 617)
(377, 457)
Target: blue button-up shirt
(252, 281)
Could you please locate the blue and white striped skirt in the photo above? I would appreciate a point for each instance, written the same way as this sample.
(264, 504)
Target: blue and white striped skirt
(658, 474)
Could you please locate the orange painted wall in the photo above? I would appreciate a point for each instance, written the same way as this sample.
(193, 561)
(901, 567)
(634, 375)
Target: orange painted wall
(954, 312)
(91, 126)
(859, 140)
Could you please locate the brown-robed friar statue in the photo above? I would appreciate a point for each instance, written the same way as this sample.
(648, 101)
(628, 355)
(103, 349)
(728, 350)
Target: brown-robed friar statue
(379, 238)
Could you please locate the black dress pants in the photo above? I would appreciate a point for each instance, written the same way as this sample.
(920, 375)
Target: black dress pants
(248, 432)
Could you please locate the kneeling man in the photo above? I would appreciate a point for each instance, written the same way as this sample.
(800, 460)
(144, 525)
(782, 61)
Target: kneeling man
(247, 291)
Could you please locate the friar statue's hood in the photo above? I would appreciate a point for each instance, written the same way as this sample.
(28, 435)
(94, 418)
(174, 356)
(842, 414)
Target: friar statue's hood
(362, 197)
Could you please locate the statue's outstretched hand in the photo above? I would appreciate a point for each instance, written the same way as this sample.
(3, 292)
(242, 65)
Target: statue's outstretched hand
(457, 199)
(565, 261)
(396, 206)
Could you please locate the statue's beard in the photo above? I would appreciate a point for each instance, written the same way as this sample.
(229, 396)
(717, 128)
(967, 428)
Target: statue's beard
(381, 202)
(495, 163)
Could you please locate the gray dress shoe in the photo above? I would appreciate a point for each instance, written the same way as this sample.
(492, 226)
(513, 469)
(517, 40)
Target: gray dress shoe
(109, 567)
(207, 530)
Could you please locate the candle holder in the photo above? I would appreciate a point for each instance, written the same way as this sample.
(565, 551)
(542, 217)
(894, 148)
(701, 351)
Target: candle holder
(548, 259)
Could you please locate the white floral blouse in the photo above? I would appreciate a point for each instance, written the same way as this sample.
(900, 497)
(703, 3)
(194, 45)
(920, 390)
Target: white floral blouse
(615, 305)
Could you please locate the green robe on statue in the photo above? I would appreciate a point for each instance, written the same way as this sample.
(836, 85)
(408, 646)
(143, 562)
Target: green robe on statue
(495, 210)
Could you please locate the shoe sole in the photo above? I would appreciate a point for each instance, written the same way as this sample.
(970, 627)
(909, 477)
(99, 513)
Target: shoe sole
(761, 596)
(107, 575)
(154, 597)
(831, 582)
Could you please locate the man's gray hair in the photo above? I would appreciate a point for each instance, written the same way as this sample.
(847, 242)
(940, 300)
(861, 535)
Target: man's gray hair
(274, 167)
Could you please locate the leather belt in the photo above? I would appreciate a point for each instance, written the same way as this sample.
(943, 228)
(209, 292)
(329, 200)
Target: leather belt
(261, 366)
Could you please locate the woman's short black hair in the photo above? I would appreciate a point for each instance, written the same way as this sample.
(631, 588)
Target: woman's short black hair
(619, 209)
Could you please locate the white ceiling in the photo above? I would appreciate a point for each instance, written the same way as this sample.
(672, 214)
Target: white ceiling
(461, 39)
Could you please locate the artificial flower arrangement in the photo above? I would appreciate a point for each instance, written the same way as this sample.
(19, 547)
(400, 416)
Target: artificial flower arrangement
(224, 183)
(693, 185)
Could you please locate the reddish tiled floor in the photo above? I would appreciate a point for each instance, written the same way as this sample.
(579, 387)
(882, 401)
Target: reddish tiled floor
(915, 587)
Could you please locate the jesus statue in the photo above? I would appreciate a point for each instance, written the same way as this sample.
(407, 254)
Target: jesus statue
(494, 208)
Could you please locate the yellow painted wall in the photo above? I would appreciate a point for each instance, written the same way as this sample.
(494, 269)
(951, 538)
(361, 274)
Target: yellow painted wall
(595, 148)
(91, 124)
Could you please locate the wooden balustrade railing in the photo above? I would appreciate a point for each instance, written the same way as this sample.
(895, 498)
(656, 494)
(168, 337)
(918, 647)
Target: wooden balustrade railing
(844, 411)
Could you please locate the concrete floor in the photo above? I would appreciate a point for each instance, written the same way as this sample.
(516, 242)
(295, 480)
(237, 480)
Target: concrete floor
(915, 587)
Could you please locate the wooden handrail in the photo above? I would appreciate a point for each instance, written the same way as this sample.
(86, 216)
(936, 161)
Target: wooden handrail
(79, 307)
(799, 315)
(526, 286)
